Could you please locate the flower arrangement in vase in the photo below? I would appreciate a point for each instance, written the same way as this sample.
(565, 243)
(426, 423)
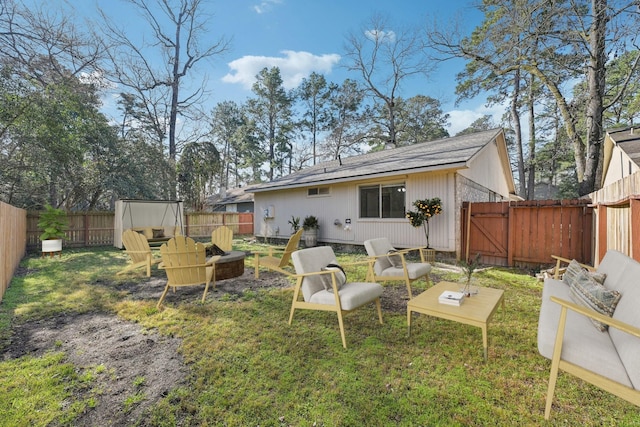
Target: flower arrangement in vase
(425, 210)
(468, 268)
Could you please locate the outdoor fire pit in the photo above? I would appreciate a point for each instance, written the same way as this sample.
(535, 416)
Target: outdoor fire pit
(230, 265)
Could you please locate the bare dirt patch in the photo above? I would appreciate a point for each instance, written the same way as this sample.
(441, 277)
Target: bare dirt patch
(137, 361)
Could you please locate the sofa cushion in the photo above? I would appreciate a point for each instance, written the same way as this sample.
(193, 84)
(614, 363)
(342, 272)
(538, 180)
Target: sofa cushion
(158, 233)
(352, 295)
(627, 274)
(589, 293)
(378, 248)
(613, 265)
(574, 268)
(414, 270)
(583, 345)
(146, 231)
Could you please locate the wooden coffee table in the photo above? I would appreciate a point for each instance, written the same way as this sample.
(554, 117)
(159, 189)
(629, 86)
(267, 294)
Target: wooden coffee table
(476, 310)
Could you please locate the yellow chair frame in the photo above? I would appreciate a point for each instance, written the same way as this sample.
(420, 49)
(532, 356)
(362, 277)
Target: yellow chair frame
(222, 237)
(279, 264)
(185, 263)
(138, 249)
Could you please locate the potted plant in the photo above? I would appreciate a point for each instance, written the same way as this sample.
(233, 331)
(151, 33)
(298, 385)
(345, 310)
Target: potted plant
(294, 222)
(310, 226)
(52, 222)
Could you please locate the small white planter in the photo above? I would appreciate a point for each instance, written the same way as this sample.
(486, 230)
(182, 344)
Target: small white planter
(51, 245)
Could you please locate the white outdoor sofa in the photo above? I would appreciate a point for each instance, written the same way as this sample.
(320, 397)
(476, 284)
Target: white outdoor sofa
(566, 335)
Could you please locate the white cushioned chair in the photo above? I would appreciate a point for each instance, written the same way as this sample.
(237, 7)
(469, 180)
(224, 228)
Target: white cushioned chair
(321, 287)
(382, 270)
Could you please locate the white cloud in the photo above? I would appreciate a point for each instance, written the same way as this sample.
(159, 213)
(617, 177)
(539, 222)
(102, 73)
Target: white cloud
(461, 119)
(265, 6)
(381, 36)
(294, 66)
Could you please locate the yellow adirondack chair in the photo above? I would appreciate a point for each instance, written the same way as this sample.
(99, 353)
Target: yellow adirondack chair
(279, 264)
(137, 247)
(186, 264)
(222, 237)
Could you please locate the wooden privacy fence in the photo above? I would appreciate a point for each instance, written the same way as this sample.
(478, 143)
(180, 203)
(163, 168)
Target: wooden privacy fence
(96, 228)
(527, 233)
(617, 216)
(201, 224)
(13, 227)
(85, 229)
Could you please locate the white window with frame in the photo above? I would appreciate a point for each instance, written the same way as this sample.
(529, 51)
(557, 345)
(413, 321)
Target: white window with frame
(383, 200)
(317, 191)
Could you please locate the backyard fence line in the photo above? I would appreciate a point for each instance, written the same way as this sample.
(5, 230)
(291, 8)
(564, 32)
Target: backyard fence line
(526, 233)
(617, 209)
(13, 229)
(88, 229)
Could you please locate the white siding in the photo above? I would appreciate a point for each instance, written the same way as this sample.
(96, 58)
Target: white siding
(342, 205)
(485, 169)
(619, 166)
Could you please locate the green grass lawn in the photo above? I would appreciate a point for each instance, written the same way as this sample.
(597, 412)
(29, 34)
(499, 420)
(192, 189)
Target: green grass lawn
(248, 367)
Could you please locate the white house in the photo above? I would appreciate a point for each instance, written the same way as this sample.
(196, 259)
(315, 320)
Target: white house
(617, 203)
(621, 155)
(367, 196)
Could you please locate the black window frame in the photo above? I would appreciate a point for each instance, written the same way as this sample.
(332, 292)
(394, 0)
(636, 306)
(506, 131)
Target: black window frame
(380, 201)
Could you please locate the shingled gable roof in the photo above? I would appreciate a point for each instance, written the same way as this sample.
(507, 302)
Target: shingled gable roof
(442, 153)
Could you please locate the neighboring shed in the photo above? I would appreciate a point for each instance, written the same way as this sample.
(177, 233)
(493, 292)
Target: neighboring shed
(367, 196)
(617, 203)
(233, 200)
(138, 214)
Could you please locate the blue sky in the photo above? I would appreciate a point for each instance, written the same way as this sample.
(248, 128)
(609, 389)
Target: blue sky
(302, 36)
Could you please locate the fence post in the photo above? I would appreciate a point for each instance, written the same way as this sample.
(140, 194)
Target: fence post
(85, 221)
(511, 235)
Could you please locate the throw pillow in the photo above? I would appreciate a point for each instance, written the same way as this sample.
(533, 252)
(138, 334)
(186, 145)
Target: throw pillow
(341, 277)
(158, 233)
(589, 293)
(213, 249)
(574, 267)
(394, 258)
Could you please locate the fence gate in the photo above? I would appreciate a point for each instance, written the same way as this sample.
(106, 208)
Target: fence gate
(527, 233)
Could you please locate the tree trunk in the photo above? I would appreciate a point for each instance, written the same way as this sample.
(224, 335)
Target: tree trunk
(515, 117)
(568, 118)
(532, 142)
(596, 87)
